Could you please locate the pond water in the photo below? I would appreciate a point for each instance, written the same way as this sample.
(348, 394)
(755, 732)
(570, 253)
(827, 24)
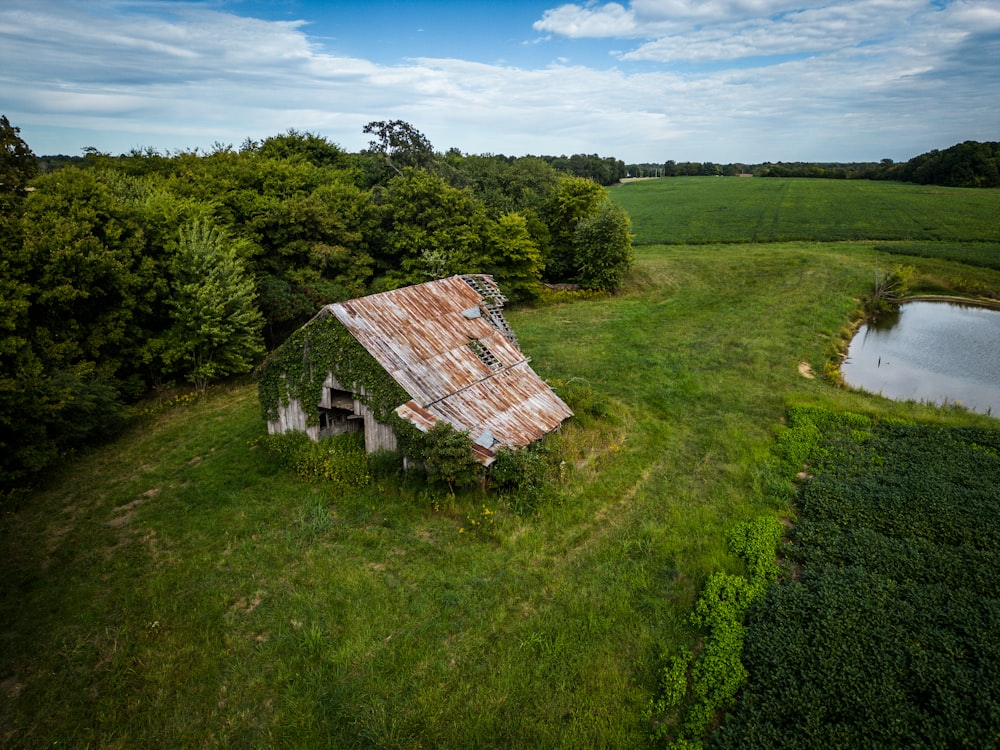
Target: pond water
(938, 352)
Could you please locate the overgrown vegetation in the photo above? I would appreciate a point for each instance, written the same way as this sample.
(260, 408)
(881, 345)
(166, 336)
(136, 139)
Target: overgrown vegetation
(340, 459)
(693, 692)
(888, 288)
(325, 346)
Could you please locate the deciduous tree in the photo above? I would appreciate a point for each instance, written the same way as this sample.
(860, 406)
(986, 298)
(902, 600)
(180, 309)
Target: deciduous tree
(431, 229)
(399, 145)
(573, 200)
(216, 325)
(602, 247)
(514, 258)
(17, 162)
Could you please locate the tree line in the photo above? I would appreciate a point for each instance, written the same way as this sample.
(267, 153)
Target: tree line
(969, 164)
(123, 273)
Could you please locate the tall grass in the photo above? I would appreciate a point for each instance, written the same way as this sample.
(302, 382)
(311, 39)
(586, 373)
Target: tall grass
(179, 589)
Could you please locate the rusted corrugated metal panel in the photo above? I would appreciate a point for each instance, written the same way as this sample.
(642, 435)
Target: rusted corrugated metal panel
(422, 419)
(456, 366)
(515, 405)
(420, 336)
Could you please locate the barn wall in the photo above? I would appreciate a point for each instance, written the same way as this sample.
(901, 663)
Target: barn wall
(378, 436)
(331, 382)
(292, 417)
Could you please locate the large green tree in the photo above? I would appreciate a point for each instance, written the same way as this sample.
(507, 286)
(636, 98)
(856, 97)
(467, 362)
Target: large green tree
(431, 229)
(294, 145)
(506, 185)
(308, 223)
(216, 324)
(92, 274)
(312, 248)
(396, 145)
(514, 258)
(602, 246)
(18, 164)
(573, 200)
(74, 281)
(17, 167)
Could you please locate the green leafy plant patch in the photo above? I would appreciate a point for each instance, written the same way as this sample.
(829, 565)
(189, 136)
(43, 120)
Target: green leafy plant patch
(890, 636)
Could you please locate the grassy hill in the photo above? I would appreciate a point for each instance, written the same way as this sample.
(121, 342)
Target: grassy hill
(178, 588)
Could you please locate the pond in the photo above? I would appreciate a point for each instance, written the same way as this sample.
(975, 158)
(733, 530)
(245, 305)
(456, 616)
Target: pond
(938, 352)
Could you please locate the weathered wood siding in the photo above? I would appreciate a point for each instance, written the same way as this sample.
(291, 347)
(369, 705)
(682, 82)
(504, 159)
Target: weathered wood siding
(292, 418)
(378, 436)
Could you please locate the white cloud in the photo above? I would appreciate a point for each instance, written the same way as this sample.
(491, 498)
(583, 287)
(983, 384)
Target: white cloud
(737, 80)
(652, 18)
(720, 30)
(975, 15)
(574, 21)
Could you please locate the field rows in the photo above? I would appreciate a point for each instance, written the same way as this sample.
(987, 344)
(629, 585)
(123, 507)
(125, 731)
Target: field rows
(731, 209)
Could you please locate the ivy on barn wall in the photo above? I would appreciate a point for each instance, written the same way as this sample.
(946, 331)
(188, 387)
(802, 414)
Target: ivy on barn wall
(297, 369)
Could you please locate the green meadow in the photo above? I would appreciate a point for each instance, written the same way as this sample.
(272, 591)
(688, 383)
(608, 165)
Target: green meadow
(698, 210)
(180, 588)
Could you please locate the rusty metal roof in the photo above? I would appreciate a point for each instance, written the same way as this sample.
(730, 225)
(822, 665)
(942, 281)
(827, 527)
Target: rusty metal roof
(458, 366)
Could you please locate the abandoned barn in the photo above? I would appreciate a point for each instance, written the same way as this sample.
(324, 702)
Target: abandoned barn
(449, 354)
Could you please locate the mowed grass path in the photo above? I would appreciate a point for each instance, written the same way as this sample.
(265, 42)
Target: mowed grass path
(176, 589)
(733, 209)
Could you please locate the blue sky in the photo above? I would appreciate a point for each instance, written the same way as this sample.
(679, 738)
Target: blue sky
(646, 80)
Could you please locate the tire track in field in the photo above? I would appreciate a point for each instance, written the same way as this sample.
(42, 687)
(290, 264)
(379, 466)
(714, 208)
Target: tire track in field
(758, 235)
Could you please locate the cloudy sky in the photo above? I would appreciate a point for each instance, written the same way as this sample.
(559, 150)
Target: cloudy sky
(641, 80)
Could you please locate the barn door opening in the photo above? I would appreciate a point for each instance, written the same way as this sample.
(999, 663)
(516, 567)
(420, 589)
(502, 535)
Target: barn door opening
(336, 413)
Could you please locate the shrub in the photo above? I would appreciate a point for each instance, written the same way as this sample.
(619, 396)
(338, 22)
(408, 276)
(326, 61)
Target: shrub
(340, 458)
(603, 249)
(688, 706)
(447, 454)
(887, 288)
(522, 475)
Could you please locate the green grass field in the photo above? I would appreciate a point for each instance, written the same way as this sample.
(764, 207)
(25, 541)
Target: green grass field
(178, 589)
(732, 209)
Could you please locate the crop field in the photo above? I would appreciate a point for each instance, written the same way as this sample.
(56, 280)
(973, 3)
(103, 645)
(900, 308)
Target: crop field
(889, 636)
(731, 209)
(182, 588)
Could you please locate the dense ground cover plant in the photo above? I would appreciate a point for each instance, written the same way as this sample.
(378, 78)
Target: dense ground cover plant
(890, 636)
(523, 477)
(340, 459)
(695, 691)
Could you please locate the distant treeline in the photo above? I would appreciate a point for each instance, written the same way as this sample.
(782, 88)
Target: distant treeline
(968, 164)
(604, 170)
(119, 274)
